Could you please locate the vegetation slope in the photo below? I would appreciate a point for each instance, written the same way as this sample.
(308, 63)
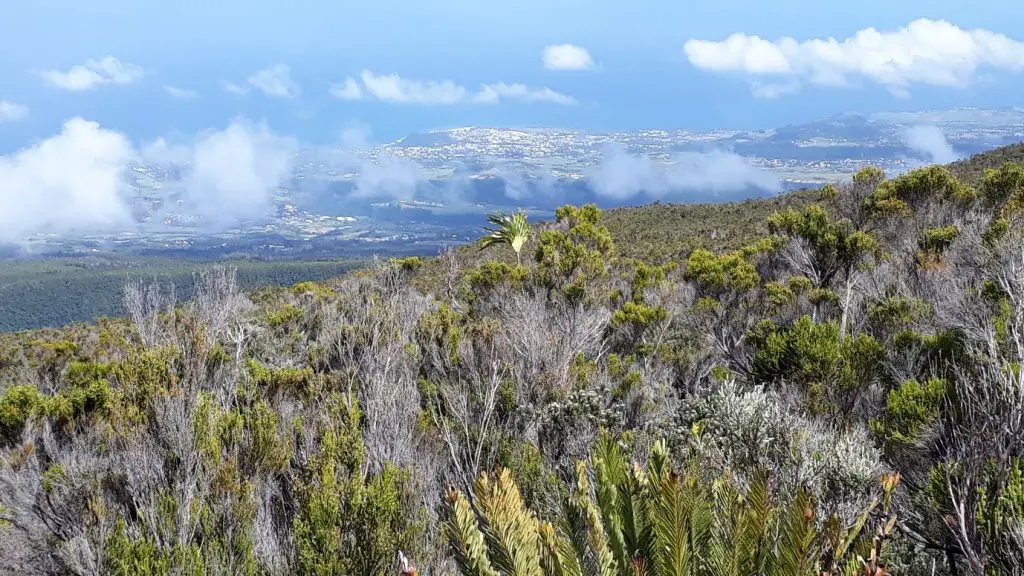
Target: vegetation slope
(841, 394)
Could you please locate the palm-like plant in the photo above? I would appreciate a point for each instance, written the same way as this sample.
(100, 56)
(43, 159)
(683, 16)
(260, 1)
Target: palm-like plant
(511, 229)
(659, 522)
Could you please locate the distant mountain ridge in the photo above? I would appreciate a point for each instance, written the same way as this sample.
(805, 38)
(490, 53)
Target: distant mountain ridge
(994, 127)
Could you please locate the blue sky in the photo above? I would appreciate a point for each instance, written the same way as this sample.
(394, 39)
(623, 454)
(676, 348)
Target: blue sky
(642, 72)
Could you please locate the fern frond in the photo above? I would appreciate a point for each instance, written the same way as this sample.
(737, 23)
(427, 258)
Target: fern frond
(573, 525)
(510, 529)
(795, 550)
(672, 512)
(610, 474)
(597, 539)
(724, 555)
(468, 547)
(558, 557)
(701, 514)
(757, 517)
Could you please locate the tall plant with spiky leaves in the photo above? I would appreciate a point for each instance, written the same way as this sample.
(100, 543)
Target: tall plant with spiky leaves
(657, 521)
(511, 229)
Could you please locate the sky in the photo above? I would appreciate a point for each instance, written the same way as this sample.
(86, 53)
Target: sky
(311, 69)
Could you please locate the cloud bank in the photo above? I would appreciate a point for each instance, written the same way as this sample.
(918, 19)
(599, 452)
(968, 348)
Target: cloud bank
(92, 74)
(274, 82)
(930, 142)
(567, 57)
(12, 111)
(235, 172)
(68, 182)
(394, 89)
(621, 175)
(74, 181)
(927, 52)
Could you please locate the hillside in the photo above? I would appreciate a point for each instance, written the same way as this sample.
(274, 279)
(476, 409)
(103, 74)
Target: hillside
(655, 233)
(660, 232)
(823, 400)
(971, 169)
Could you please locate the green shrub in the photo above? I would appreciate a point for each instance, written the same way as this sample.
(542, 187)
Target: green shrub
(17, 405)
(910, 410)
(828, 369)
(349, 523)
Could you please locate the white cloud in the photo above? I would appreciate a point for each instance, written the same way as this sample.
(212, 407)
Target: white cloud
(68, 182)
(493, 93)
(12, 111)
(231, 174)
(94, 73)
(275, 82)
(750, 54)
(929, 52)
(236, 89)
(74, 181)
(348, 90)
(622, 175)
(181, 93)
(567, 57)
(394, 89)
(931, 142)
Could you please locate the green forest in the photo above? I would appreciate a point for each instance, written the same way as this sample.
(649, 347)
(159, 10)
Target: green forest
(827, 383)
(35, 293)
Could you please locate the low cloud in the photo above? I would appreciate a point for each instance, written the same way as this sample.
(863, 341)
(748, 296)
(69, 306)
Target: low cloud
(381, 178)
(75, 182)
(538, 188)
(274, 82)
(231, 174)
(92, 74)
(181, 93)
(71, 182)
(389, 178)
(567, 57)
(930, 142)
(12, 111)
(394, 89)
(621, 175)
(925, 52)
